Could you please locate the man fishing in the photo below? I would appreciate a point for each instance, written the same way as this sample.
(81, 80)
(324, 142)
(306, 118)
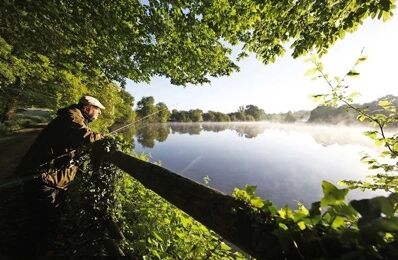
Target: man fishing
(53, 157)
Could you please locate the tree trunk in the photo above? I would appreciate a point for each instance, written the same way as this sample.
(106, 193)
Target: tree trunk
(11, 99)
(9, 109)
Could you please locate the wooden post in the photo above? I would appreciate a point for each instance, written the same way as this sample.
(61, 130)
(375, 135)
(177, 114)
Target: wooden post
(231, 219)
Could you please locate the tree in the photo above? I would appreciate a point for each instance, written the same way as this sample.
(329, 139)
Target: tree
(195, 115)
(56, 44)
(146, 109)
(163, 112)
(174, 117)
(289, 118)
(137, 40)
(216, 117)
(254, 111)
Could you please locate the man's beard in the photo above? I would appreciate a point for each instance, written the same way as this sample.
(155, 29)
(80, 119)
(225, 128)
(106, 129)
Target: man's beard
(88, 118)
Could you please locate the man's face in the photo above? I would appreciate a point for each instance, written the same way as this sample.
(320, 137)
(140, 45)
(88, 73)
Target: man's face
(93, 112)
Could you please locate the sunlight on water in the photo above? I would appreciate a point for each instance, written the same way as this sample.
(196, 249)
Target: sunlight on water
(286, 162)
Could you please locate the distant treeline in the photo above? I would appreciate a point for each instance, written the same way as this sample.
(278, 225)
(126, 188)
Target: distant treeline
(146, 108)
(152, 112)
(343, 115)
(244, 113)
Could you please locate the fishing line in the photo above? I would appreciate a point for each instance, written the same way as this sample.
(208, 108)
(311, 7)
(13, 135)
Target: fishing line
(141, 119)
(106, 135)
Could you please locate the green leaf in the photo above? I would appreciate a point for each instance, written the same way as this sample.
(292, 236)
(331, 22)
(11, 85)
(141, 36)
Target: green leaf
(395, 147)
(285, 212)
(362, 59)
(371, 134)
(225, 247)
(361, 118)
(283, 226)
(338, 222)
(301, 225)
(156, 235)
(251, 190)
(346, 211)
(353, 73)
(300, 213)
(310, 72)
(257, 202)
(332, 195)
(185, 221)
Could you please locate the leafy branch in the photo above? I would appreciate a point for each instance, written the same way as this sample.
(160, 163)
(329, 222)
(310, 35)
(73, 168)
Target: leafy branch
(385, 116)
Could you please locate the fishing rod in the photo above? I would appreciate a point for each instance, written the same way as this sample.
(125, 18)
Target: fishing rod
(141, 119)
(21, 180)
(106, 135)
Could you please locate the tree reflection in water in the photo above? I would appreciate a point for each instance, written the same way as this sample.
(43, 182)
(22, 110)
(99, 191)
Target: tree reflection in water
(146, 134)
(186, 128)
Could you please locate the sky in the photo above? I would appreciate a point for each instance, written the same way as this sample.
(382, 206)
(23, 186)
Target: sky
(283, 86)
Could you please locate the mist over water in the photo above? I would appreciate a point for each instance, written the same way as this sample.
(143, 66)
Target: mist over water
(287, 162)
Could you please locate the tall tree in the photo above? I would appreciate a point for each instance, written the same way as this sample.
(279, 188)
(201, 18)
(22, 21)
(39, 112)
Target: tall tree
(255, 112)
(163, 112)
(196, 115)
(146, 109)
(60, 41)
(137, 39)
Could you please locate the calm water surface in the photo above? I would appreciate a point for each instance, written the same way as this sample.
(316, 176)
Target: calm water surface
(286, 162)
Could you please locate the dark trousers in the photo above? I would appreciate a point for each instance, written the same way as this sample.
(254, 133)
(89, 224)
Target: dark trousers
(43, 203)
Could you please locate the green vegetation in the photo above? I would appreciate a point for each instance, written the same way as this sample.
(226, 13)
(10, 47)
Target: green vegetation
(248, 113)
(24, 118)
(156, 229)
(153, 228)
(331, 228)
(193, 115)
(362, 229)
(146, 109)
(53, 52)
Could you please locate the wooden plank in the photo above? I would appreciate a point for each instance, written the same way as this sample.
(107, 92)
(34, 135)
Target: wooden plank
(231, 219)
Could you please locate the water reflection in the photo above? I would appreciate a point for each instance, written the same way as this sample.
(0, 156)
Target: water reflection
(286, 162)
(184, 128)
(148, 133)
(242, 129)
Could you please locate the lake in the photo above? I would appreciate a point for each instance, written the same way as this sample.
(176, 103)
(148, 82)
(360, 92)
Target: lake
(287, 162)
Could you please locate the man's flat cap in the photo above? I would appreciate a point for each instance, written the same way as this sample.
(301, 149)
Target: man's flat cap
(88, 100)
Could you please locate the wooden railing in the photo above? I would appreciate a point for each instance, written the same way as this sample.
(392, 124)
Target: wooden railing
(231, 219)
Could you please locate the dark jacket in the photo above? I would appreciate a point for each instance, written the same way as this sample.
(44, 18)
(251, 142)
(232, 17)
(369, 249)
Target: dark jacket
(66, 133)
